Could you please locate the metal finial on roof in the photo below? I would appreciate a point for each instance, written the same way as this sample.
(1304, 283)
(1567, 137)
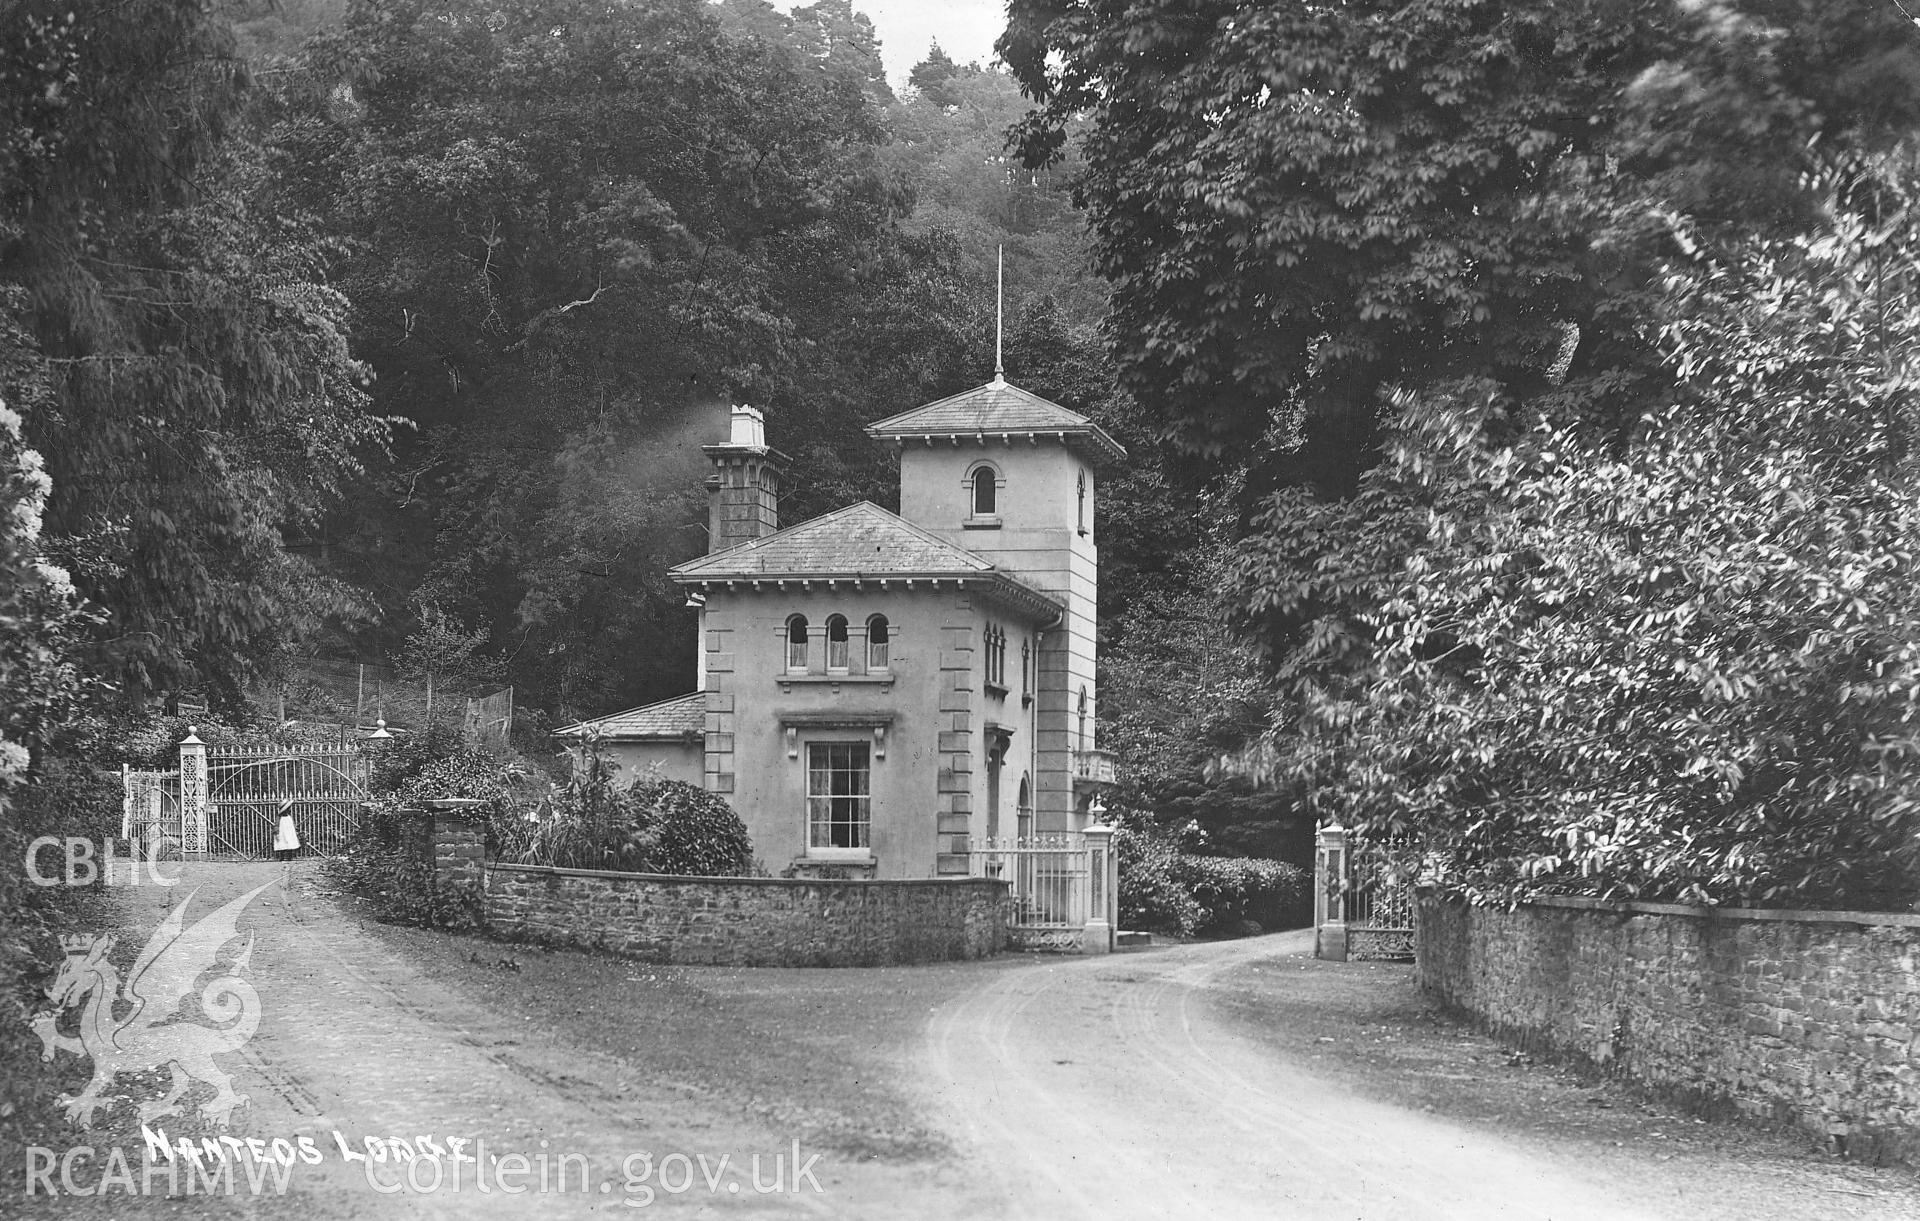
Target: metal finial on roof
(999, 312)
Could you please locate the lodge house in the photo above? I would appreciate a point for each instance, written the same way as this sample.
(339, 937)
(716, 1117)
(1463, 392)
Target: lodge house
(880, 690)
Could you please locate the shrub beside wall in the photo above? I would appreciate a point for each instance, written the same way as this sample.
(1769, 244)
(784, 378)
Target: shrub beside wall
(1806, 1018)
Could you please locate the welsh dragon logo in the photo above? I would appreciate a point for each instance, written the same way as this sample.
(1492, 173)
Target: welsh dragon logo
(146, 1023)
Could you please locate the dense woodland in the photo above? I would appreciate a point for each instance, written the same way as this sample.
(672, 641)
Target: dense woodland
(1519, 394)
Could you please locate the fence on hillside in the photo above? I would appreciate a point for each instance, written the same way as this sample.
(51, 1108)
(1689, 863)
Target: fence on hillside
(359, 694)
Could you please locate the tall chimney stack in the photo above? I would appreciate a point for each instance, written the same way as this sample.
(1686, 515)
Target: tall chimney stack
(743, 493)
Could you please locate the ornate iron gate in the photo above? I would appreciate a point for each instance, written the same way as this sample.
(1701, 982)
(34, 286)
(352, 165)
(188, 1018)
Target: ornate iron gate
(324, 789)
(1363, 897)
(226, 801)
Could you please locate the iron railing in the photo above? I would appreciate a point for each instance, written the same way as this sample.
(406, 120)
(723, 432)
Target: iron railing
(1048, 878)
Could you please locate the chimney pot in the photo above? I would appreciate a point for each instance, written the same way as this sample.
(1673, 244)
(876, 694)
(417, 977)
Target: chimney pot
(749, 427)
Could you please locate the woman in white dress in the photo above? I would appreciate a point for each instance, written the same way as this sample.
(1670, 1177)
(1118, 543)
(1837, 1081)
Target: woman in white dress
(286, 840)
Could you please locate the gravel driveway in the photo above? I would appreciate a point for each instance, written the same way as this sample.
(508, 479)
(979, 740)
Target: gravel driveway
(1168, 1083)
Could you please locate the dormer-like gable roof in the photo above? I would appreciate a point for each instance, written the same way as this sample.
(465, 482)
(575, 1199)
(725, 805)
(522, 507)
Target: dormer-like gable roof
(998, 411)
(862, 544)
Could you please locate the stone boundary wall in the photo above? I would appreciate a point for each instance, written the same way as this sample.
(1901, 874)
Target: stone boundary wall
(1799, 1017)
(749, 922)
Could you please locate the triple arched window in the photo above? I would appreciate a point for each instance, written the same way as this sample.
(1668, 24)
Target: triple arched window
(839, 644)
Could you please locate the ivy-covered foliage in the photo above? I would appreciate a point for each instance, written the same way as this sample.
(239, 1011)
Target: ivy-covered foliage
(1152, 896)
(434, 763)
(390, 863)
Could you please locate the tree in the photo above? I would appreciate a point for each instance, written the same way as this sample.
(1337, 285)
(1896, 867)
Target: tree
(842, 43)
(931, 76)
(443, 653)
(1298, 205)
(1178, 691)
(185, 369)
(571, 236)
(1687, 668)
(1342, 236)
(950, 140)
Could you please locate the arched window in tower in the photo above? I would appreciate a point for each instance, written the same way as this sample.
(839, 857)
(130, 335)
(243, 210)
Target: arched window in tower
(796, 642)
(1085, 742)
(1024, 827)
(877, 640)
(986, 491)
(836, 642)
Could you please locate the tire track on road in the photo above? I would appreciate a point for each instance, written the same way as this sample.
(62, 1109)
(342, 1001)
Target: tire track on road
(1163, 1111)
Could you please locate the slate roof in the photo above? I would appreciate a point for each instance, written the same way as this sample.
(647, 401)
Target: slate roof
(862, 542)
(859, 541)
(997, 409)
(680, 717)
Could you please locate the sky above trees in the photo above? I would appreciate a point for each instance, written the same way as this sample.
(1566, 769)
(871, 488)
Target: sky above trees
(965, 30)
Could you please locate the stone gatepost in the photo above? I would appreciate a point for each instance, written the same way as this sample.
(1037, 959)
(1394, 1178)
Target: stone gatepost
(193, 795)
(456, 840)
(1329, 889)
(1103, 876)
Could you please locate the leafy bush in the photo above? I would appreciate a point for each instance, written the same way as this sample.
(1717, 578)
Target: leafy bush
(1152, 895)
(1165, 890)
(400, 760)
(695, 832)
(1232, 890)
(654, 826)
